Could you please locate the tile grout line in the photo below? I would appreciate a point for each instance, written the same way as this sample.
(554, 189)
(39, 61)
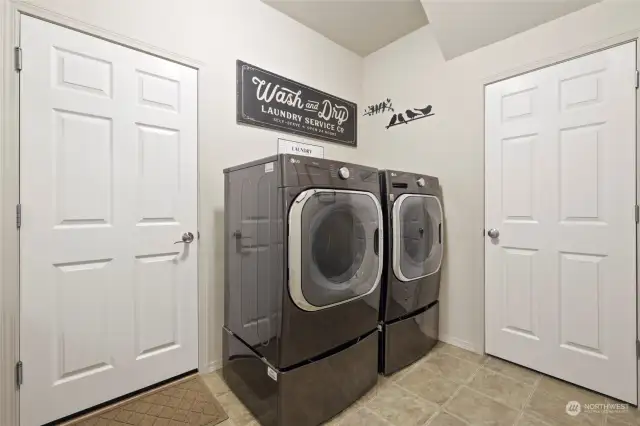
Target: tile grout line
(484, 361)
(414, 366)
(433, 417)
(491, 398)
(374, 413)
(526, 402)
(535, 382)
(455, 416)
(394, 382)
(415, 395)
(444, 408)
(459, 383)
(475, 373)
(462, 385)
(488, 397)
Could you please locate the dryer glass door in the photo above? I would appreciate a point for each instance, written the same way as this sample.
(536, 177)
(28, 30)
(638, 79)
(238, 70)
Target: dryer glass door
(417, 236)
(335, 243)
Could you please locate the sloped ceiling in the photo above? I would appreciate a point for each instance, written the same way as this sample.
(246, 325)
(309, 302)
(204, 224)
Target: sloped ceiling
(362, 26)
(461, 26)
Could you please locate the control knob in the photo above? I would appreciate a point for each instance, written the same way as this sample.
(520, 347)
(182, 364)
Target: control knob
(343, 173)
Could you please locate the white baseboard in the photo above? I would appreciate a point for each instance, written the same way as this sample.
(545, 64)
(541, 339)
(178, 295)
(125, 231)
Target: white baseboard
(214, 365)
(457, 342)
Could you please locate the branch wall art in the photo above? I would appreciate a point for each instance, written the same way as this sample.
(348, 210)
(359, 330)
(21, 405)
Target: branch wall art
(379, 108)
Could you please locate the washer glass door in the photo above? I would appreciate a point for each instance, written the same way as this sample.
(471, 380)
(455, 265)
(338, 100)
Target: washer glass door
(417, 236)
(335, 243)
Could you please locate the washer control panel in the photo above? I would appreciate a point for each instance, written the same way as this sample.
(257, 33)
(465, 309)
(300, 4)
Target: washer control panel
(343, 172)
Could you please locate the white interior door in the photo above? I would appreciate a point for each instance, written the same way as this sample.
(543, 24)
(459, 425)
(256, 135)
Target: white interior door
(560, 289)
(108, 183)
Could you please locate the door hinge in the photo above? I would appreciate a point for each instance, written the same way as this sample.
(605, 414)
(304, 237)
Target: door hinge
(637, 79)
(637, 213)
(17, 55)
(19, 373)
(18, 215)
(638, 349)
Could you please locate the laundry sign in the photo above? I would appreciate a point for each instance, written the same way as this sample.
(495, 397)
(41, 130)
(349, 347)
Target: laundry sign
(268, 100)
(286, 146)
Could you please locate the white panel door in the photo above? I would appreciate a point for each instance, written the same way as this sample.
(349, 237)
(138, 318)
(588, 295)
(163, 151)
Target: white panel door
(560, 289)
(108, 183)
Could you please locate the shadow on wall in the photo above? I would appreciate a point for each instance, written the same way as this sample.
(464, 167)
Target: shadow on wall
(444, 269)
(215, 287)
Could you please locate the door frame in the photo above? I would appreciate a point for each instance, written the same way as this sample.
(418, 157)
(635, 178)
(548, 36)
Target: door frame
(10, 12)
(627, 37)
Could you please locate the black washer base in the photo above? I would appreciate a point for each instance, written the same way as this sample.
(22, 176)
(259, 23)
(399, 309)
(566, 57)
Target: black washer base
(405, 341)
(303, 396)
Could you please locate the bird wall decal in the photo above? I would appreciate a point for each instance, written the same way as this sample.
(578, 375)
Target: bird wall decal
(426, 110)
(411, 114)
(393, 120)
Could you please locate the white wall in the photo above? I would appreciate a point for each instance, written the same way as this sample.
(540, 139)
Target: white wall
(450, 145)
(411, 71)
(216, 33)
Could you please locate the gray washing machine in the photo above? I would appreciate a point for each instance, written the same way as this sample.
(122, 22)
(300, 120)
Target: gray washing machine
(414, 248)
(303, 266)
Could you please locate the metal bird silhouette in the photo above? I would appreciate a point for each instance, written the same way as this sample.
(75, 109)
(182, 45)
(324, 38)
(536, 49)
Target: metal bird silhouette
(411, 114)
(425, 110)
(401, 118)
(394, 117)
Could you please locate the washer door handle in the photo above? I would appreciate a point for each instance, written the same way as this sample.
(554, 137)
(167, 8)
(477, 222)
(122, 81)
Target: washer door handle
(376, 241)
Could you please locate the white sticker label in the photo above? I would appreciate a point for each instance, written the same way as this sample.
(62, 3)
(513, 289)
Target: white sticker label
(268, 167)
(272, 373)
(285, 146)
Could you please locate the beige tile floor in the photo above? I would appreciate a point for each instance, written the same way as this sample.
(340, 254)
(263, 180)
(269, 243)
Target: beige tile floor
(454, 387)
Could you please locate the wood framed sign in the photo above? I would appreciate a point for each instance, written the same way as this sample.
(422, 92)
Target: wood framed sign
(268, 100)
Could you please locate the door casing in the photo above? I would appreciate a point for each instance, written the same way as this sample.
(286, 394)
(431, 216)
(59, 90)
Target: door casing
(10, 12)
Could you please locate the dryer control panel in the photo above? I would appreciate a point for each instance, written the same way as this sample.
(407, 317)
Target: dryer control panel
(400, 182)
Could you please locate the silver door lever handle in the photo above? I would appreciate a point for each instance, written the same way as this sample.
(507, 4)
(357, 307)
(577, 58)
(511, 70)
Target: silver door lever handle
(187, 238)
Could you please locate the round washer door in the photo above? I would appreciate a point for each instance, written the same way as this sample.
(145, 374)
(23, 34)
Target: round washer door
(417, 236)
(335, 247)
